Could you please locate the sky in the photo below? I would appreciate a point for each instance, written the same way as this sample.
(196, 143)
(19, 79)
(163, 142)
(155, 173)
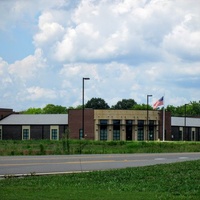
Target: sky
(129, 49)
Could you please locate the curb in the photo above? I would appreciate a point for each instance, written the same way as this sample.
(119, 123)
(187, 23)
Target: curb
(38, 174)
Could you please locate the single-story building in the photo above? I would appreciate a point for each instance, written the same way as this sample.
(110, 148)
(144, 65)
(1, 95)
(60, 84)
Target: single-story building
(108, 124)
(99, 124)
(33, 126)
(4, 112)
(185, 128)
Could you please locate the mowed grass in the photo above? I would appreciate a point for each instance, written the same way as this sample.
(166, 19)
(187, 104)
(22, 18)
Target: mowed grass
(49, 147)
(166, 181)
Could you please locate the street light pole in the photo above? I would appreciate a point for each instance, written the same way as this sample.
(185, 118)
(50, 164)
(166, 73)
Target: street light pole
(83, 108)
(149, 95)
(184, 123)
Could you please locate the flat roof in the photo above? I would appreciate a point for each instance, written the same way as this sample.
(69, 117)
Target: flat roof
(10, 109)
(35, 119)
(180, 121)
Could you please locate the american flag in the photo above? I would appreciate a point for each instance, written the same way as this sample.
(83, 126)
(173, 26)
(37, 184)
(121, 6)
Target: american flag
(158, 103)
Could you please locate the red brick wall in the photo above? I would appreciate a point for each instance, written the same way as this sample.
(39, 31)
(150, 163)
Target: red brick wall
(75, 123)
(167, 125)
(5, 112)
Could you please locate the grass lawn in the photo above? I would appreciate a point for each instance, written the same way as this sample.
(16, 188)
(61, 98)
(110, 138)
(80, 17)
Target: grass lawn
(167, 181)
(63, 147)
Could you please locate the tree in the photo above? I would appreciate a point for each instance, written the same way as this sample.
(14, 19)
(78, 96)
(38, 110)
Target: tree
(194, 108)
(171, 109)
(78, 107)
(54, 109)
(176, 111)
(33, 111)
(97, 103)
(48, 109)
(125, 104)
(191, 109)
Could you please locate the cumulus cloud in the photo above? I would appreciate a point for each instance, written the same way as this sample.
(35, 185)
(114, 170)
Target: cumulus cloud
(106, 31)
(5, 79)
(35, 93)
(184, 39)
(128, 49)
(28, 67)
(50, 30)
(22, 12)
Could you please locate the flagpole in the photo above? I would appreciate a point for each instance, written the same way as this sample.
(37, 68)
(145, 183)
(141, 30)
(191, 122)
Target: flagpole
(158, 103)
(163, 120)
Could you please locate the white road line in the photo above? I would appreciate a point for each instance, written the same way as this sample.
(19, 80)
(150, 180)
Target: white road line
(183, 158)
(160, 159)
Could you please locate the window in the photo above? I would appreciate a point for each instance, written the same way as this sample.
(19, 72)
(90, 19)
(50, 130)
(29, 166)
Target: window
(25, 132)
(103, 134)
(54, 133)
(103, 129)
(116, 122)
(140, 123)
(0, 133)
(103, 122)
(80, 133)
(129, 129)
(116, 129)
(193, 136)
(140, 134)
(140, 130)
(180, 135)
(151, 133)
(116, 134)
(129, 122)
(26, 135)
(151, 130)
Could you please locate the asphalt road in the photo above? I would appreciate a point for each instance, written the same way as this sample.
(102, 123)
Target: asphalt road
(39, 165)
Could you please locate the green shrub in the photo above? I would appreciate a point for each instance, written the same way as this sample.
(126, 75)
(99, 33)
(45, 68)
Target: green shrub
(42, 151)
(42, 147)
(112, 143)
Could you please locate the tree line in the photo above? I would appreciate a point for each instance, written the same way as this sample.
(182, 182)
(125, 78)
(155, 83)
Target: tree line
(190, 109)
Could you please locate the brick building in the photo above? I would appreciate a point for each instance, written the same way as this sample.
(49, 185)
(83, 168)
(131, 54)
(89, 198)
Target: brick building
(185, 128)
(30, 126)
(4, 112)
(108, 124)
(119, 124)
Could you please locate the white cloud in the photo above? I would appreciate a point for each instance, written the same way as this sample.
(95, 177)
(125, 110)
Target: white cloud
(23, 12)
(5, 79)
(184, 40)
(108, 31)
(29, 66)
(49, 31)
(128, 49)
(35, 93)
(3, 66)
(72, 75)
